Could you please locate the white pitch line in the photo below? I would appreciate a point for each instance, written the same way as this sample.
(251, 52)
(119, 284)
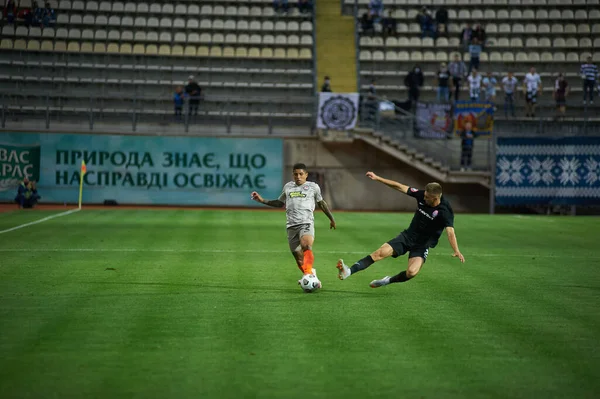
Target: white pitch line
(258, 251)
(40, 220)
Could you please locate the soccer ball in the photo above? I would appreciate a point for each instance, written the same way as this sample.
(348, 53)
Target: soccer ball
(310, 283)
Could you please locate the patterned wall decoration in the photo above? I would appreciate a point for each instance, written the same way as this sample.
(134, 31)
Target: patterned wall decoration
(539, 171)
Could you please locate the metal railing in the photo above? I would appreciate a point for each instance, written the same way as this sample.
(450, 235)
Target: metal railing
(118, 112)
(401, 126)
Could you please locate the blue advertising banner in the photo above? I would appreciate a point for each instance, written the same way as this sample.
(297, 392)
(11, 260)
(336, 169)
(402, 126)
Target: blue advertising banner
(539, 171)
(142, 169)
(480, 114)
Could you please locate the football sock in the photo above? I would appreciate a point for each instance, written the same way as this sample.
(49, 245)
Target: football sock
(399, 278)
(309, 260)
(362, 264)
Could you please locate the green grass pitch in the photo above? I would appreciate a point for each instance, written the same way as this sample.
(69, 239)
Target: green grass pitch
(204, 304)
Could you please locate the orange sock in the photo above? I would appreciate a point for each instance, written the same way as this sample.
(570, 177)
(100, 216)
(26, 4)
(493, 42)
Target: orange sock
(309, 260)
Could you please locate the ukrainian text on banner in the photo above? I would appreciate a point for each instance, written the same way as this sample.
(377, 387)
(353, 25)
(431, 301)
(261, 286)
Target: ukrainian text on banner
(539, 171)
(141, 169)
(434, 121)
(337, 111)
(480, 114)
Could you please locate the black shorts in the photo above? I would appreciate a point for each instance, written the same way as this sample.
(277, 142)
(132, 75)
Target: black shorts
(402, 244)
(561, 102)
(531, 97)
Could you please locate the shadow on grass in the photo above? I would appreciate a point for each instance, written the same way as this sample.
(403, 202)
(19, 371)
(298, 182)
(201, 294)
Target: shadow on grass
(294, 291)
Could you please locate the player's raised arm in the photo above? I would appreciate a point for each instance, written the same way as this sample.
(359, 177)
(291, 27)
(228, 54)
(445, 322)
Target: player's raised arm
(390, 183)
(276, 203)
(454, 244)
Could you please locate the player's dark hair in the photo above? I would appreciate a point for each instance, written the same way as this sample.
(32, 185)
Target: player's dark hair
(434, 189)
(299, 166)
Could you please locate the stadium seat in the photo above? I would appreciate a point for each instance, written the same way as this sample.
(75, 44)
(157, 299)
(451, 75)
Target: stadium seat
(364, 55)
(99, 48)
(189, 51)
(495, 56)
(138, 49)
(143, 8)
(91, 6)
(47, 46)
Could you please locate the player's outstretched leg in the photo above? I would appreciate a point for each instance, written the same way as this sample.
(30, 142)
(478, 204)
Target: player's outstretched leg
(383, 252)
(414, 265)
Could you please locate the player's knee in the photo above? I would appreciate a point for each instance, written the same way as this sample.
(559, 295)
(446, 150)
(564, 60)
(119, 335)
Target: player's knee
(305, 246)
(411, 272)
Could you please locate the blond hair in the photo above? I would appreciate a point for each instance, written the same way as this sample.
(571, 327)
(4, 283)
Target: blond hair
(434, 189)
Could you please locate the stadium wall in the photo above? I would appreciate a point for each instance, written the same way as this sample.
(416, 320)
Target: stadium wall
(208, 171)
(342, 167)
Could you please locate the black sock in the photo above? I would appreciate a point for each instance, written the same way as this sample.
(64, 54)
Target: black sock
(400, 278)
(362, 264)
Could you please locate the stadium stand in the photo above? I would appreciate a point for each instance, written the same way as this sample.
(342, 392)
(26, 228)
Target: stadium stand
(551, 35)
(123, 57)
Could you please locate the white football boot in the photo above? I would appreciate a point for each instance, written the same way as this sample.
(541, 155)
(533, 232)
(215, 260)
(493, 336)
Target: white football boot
(344, 271)
(380, 283)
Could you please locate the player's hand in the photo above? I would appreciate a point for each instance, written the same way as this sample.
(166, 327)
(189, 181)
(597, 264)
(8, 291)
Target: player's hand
(459, 256)
(332, 225)
(372, 176)
(256, 197)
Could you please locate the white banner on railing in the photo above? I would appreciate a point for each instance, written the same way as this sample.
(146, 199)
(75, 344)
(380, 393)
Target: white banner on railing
(337, 111)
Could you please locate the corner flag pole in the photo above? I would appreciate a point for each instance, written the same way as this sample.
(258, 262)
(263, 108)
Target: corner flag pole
(83, 170)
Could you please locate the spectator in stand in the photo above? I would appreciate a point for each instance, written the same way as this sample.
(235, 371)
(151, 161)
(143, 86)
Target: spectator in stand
(389, 24)
(532, 85)
(474, 81)
(281, 5)
(178, 99)
(38, 14)
(458, 71)
(475, 53)
(414, 80)
(466, 36)
(367, 24)
(466, 154)
(26, 15)
(326, 88)
(489, 87)
(427, 23)
(27, 194)
(479, 34)
(561, 91)
(509, 83)
(441, 21)
(10, 11)
(304, 6)
(193, 91)
(443, 89)
(376, 9)
(589, 74)
(49, 17)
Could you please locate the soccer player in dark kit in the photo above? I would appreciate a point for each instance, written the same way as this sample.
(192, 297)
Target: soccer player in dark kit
(433, 215)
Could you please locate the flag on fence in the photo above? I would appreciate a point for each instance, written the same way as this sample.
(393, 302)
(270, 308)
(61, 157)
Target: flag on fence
(434, 121)
(337, 111)
(480, 114)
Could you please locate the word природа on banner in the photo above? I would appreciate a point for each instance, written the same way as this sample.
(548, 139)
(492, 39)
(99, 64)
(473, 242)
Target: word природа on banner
(136, 170)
